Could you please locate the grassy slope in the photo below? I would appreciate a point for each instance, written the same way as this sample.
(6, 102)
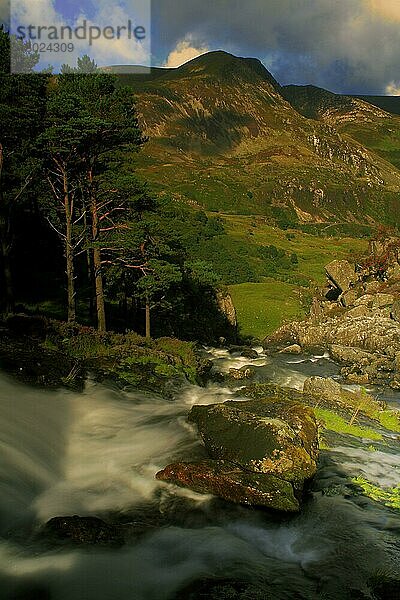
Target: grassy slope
(262, 307)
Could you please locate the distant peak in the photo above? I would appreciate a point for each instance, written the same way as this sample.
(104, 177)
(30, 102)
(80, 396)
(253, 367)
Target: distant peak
(226, 66)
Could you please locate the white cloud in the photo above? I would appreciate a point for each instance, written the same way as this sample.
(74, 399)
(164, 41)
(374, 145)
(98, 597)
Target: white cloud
(184, 51)
(344, 45)
(393, 88)
(104, 51)
(389, 9)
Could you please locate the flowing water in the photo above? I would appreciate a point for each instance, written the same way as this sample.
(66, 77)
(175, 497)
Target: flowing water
(96, 453)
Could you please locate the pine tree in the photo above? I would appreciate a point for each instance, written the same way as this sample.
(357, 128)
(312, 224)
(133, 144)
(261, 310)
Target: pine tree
(22, 98)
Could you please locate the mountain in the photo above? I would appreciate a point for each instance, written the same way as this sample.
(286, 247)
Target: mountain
(335, 109)
(225, 136)
(389, 103)
(374, 128)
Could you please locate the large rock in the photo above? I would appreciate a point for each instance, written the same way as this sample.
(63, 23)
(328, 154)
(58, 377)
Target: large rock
(365, 300)
(330, 394)
(263, 450)
(226, 306)
(383, 300)
(393, 273)
(374, 333)
(324, 388)
(223, 479)
(82, 530)
(342, 274)
(350, 356)
(262, 436)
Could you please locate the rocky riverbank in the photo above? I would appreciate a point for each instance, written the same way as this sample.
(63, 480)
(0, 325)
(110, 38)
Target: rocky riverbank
(51, 353)
(356, 318)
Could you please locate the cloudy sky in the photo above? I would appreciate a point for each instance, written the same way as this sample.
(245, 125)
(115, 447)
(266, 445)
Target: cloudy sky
(347, 46)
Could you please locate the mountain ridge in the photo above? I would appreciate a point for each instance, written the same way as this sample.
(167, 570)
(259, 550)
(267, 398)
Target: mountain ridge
(224, 137)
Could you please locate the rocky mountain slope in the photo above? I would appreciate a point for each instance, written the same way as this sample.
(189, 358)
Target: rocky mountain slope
(319, 104)
(223, 136)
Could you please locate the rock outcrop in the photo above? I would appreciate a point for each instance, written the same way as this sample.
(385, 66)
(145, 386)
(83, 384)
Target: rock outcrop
(261, 452)
(342, 274)
(356, 319)
(226, 306)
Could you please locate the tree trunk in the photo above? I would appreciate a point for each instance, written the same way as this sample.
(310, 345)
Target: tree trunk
(89, 265)
(69, 252)
(148, 328)
(98, 276)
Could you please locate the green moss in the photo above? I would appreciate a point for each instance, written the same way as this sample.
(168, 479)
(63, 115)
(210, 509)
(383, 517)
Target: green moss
(389, 419)
(129, 358)
(336, 423)
(388, 496)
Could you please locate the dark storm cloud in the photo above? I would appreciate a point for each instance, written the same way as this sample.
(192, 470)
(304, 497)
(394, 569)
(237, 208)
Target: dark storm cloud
(344, 45)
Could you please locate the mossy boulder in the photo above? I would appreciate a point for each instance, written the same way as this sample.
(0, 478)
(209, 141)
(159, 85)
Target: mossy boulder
(262, 451)
(262, 436)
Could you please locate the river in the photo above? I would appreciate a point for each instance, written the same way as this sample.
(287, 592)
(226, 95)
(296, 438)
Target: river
(96, 453)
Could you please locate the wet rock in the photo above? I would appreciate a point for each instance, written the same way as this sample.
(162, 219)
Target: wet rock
(239, 374)
(341, 273)
(293, 349)
(262, 436)
(82, 530)
(321, 387)
(262, 452)
(354, 377)
(249, 353)
(226, 480)
(204, 367)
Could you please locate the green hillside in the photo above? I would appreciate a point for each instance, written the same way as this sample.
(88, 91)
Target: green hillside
(301, 169)
(223, 137)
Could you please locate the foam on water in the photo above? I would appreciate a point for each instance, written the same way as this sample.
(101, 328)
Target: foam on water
(66, 453)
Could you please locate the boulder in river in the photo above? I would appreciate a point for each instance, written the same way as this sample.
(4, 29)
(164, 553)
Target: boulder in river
(239, 374)
(82, 530)
(249, 353)
(262, 452)
(232, 483)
